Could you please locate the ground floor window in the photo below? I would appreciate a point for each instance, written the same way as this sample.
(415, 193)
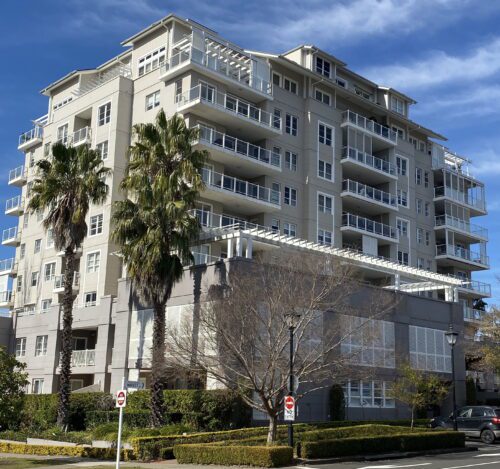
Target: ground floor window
(364, 393)
(37, 386)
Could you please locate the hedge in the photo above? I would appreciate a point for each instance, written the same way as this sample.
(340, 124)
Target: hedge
(261, 456)
(132, 419)
(75, 451)
(380, 444)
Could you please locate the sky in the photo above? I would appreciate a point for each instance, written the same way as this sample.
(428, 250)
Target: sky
(443, 53)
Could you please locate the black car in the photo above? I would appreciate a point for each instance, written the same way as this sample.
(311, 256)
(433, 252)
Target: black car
(475, 421)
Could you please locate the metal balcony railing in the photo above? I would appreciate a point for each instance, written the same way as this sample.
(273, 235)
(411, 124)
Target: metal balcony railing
(83, 358)
(472, 314)
(238, 186)
(81, 136)
(34, 133)
(16, 203)
(371, 126)
(16, 173)
(9, 233)
(355, 187)
(462, 225)
(366, 159)
(370, 226)
(462, 197)
(462, 253)
(6, 265)
(241, 147)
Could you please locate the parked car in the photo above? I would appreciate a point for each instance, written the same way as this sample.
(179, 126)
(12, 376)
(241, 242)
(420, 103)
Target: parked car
(475, 421)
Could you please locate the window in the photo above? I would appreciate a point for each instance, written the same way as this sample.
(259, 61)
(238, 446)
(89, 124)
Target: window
(39, 215)
(152, 100)
(104, 114)
(402, 198)
(21, 347)
(418, 176)
(402, 165)
(46, 149)
(102, 148)
(325, 134)
(402, 227)
(322, 97)
(37, 386)
(291, 161)
(420, 262)
(34, 279)
(426, 178)
(50, 239)
(323, 67)
(22, 251)
(90, 299)
(420, 236)
(427, 209)
(275, 225)
(325, 237)
(178, 89)
(275, 192)
(397, 105)
(291, 124)
(276, 79)
(429, 349)
(19, 283)
(26, 219)
(427, 238)
(418, 205)
(95, 225)
(403, 258)
(41, 346)
(93, 261)
(363, 93)
(277, 118)
(151, 61)
(368, 394)
(324, 203)
(289, 229)
(324, 170)
(341, 82)
(62, 134)
(399, 131)
(32, 159)
(290, 85)
(50, 271)
(45, 305)
(290, 196)
(29, 186)
(38, 245)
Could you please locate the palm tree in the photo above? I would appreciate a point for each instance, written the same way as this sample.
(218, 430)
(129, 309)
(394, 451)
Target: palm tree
(66, 184)
(156, 225)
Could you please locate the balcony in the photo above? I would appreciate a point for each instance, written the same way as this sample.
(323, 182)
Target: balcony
(11, 237)
(201, 258)
(457, 256)
(6, 299)
(383, 135)
(476, 205)
(359, 164)
(377, 201)
(243, 196)
(59, 283)
(475, 288)
(8, 266)
(82, 358)
(17, 176)
(251, 160)
(31, 138)
(471, 314)
(361, 225)
(232, 66)
(465, 228)
(14, 206)
(81, 137)
(228, 111)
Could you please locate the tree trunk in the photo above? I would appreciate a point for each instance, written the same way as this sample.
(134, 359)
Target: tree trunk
(66, 341)
(273, 429)
(158, 360)
(412, 416)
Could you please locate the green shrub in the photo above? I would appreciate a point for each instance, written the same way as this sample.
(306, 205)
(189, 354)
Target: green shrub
(130, 418)
(380, 444)
(261, 456)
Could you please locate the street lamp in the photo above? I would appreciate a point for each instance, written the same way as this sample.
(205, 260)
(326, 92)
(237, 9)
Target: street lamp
(292, 319)
(451, 337)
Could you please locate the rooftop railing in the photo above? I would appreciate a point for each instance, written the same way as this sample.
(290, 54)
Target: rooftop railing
(462, 253)
(370, 226)
(366, 159)
(241, 147)
(34, 133)
(371, 126)
(462, 225)
(355, 187)
(462, 197)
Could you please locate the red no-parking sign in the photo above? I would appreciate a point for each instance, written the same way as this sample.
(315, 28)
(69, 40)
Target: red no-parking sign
(121, 398)
(289, 413)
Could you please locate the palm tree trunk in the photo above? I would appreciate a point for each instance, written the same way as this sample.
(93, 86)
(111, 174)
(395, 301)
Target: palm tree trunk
(158, 361)
(66, 339)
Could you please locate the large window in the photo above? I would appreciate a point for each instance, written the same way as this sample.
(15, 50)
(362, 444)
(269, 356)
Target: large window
(95, 225)
(37, 386)
(290, 85)
(368, 342)
(21, 347)
(291, 161)
(152, 100)
(323, 97)
(289, 229)
(62, 134)
(323, 67)
(41, 345)
(277, 118)
(402, 227)
(325, 237)
(34, 279)
(429, 349)
(403, 258)
(402, 198)
(291, 124)
(324, 203)
(325, 134)
(290, 196)
(325, 170)
(50, 271)
(368, 394)
(104, 114)
(151, 60)
(402, 165)
(102, 148)
(397, 105)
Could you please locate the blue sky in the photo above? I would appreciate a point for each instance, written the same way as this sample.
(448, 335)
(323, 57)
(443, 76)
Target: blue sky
(443, 53)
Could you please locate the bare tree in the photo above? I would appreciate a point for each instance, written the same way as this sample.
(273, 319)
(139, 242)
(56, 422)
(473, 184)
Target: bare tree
(484, 355)
(243, 335)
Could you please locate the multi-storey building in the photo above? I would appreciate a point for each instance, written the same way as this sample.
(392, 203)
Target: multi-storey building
(304, 154)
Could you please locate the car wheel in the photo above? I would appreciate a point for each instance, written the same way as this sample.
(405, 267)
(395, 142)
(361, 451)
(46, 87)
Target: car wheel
(488, 437)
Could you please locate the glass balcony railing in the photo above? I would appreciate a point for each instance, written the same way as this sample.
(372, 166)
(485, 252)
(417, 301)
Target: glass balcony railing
(227, 103)
(355, 187)
(471, 314)
(33, 134)
(16, 174)
(371, 126)
(9, 234)
(238, 186)
(462, 197)
(477, 286)
(462, 253)
(6, 265)
(5, 296)
(14, 204)
(366, 159)
(240, 147)
(370, 226)
(462, 225)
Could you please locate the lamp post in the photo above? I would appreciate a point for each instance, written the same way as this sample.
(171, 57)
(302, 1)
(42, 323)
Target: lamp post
(451, 337)
(292, 320)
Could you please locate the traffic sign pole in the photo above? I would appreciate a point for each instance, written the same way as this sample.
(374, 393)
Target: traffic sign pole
(121, 400)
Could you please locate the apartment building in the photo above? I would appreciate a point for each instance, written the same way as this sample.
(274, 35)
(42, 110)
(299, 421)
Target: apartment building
(304, 154)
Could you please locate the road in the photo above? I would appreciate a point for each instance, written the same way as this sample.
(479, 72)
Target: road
(488, 457)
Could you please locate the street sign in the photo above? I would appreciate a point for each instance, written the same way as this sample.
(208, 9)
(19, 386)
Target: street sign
(121, 398)
(135, 385)
(295, 384)
(289, 413)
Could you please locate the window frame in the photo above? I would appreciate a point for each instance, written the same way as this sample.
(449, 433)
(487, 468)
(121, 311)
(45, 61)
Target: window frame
(106, 119)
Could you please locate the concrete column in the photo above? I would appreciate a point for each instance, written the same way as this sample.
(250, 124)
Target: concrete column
(229, 248)
(448, 294)
(397, 282)
(455, 294)
(102, 355)
(249, 248)
(239, 246)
